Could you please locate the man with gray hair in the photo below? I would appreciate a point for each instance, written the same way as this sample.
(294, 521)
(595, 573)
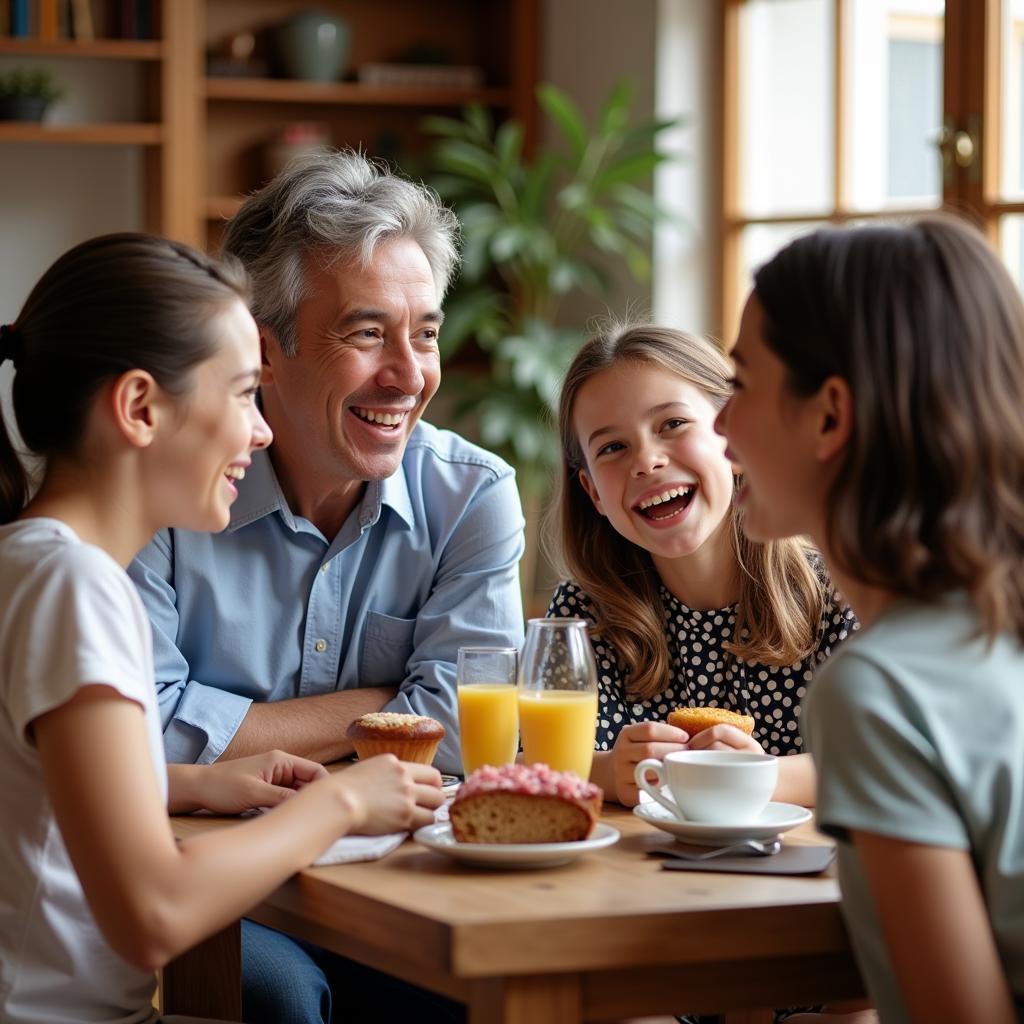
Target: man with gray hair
(365, 546)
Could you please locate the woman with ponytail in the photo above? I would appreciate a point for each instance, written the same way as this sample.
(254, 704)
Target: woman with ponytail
(136, 367)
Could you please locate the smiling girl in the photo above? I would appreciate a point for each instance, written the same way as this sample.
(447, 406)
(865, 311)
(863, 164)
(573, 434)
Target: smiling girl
(891, 360)
(136, 363)
(683, 609)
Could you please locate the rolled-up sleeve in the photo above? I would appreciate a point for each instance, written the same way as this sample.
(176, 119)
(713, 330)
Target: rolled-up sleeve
(199, 721)
(475, 600)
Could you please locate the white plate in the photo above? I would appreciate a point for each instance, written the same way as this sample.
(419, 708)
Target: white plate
(512, 855)
(775, 818)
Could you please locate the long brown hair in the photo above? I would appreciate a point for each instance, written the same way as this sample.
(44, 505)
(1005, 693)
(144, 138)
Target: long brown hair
(106, 306)
(780, 596)
(926, 326)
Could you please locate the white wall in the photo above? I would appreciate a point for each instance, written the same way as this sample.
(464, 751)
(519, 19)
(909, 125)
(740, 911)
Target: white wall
(687, 255)
(587, 47)
(53, 196)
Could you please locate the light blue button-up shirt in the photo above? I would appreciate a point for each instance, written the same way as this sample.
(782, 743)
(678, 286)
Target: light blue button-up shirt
(271, 609)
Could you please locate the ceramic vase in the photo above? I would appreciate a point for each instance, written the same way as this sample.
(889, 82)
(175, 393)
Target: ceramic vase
(313, 45)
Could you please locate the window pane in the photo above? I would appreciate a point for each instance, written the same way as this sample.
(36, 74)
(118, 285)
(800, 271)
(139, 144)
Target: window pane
(1011, 184)
(786, 104)
(758, 244)
(893, 103)
(1011, 246)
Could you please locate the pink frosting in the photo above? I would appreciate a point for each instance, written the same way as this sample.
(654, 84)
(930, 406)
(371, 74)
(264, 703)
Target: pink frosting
(534, 779)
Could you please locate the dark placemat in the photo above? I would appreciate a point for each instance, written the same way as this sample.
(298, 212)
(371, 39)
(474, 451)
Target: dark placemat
(790, 860)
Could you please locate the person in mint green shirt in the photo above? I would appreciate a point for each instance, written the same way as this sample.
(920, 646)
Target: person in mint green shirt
(878, 410)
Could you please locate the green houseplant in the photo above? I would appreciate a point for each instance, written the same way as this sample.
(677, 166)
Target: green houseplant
(535, 229)
(25, 93)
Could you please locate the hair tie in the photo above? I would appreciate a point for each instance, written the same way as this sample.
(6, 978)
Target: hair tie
(10, 344)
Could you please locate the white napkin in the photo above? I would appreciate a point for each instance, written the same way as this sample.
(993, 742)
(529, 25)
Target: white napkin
(350, 849)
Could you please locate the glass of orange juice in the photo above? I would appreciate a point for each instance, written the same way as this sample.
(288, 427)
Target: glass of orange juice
(488, 712)
(558, 695)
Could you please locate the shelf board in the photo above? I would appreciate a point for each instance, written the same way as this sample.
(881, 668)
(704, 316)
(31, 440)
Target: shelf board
(288, 90)
(106, 49)
(114, 134)
(222, 207)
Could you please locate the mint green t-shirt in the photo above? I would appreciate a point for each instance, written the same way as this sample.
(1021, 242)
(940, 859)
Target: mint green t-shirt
(917, 731)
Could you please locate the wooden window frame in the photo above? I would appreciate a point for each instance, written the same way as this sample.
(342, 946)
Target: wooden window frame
(971, 101)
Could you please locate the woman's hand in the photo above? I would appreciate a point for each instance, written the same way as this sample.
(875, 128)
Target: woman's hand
(725, 737)
(389, 795)
(242, 784)
(633, 744)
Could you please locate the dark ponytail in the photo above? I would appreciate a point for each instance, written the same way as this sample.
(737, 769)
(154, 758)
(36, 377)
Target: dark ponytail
(109, 305)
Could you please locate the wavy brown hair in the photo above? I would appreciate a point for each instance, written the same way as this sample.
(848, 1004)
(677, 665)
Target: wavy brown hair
(926, 326)
(780, 596)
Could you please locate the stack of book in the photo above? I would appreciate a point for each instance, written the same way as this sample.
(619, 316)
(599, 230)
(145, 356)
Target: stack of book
(49, 20)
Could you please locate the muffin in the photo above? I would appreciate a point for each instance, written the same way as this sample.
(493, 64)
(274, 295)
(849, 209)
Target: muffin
(408, 737)
(695, 720)
(520, 803)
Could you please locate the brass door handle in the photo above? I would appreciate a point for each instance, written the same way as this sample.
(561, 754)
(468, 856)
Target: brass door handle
(958, 146)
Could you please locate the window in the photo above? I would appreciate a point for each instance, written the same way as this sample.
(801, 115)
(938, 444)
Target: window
(848, 110)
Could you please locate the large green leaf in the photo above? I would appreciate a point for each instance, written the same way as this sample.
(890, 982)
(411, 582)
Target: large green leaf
(471, 312)
(615, 112)
(455, 128)
(479, 118)
(638, 165)
(460, 157)
(508, 146)
(564, 112)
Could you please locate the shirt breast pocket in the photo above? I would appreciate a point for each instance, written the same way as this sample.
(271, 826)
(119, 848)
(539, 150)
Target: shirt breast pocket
(387, 648)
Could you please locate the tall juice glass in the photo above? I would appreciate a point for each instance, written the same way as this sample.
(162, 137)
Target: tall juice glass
(558, 695)
(488, 711)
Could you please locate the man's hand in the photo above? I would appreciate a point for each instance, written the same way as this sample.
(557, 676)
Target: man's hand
(389, 795)
(242, 784)
(632, 745)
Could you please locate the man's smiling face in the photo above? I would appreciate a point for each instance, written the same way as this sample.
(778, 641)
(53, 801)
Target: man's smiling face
(367, 364)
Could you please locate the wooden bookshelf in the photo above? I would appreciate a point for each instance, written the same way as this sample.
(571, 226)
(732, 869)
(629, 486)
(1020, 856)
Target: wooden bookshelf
(204, 138)
(112, 134)
(99, 49)
(283, 90)
(243, 115)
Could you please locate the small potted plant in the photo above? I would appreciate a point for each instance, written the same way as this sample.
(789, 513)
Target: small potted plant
(25, 93)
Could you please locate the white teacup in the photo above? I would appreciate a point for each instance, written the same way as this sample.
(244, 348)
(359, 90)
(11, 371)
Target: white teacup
(719, 787)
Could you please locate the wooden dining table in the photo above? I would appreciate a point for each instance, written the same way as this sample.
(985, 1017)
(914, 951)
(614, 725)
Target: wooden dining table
(605, 937)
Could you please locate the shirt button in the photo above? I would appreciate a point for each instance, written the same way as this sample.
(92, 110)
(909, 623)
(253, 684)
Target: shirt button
(320, 646)
(325, 566)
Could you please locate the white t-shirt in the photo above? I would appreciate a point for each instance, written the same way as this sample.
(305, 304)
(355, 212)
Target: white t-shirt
(69, 617)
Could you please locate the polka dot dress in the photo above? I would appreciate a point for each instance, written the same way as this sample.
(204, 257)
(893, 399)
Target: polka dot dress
(704, 673)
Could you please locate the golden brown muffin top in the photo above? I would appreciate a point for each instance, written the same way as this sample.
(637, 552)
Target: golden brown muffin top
(694, 720)
(393, 725)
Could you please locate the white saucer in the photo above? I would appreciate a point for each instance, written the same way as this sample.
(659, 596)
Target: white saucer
(439, 837)
(775, 818)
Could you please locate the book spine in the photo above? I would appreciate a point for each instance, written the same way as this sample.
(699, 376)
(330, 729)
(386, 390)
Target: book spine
(48, 19)
(19, 18)
(127, 19)
(81, 19)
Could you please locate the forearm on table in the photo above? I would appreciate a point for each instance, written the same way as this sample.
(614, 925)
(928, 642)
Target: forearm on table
(797, 780)
(184, 788)
(313, 727)
(201, 889)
